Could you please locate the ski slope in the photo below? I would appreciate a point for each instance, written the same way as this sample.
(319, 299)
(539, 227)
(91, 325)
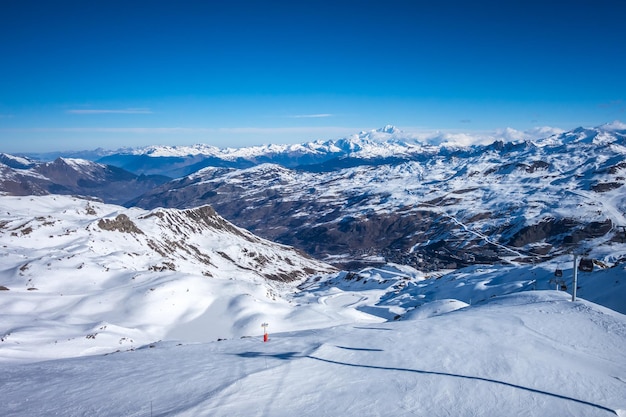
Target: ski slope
(531, 354)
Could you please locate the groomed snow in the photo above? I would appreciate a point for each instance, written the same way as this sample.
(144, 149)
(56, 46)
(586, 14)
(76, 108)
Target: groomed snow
(531, 354)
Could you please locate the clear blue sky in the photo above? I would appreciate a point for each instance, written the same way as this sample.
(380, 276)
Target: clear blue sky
(86, 74)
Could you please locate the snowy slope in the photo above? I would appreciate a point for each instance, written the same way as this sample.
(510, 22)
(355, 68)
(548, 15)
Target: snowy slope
(532, 354)
(396, 291)
(81, 277)
(105, 285)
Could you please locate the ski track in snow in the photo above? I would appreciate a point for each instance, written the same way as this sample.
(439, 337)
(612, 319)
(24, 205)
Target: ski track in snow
(470, 230)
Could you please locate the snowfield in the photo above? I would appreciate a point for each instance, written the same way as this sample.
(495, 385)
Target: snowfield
(108, 311)
(531, 354)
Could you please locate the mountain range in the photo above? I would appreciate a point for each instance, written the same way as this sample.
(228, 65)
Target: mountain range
(70, 176)
(115, 311)
(384, 200)
(379, 196)
(447, 284)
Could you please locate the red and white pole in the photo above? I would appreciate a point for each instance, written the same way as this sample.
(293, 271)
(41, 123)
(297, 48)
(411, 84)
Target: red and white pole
(265, 335)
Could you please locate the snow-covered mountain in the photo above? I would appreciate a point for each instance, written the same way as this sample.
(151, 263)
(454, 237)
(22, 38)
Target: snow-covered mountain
(16, 162)
(96, 276)
(439, 207)
(386, 195)
(97, 298)
(70, 176)
(388, 143)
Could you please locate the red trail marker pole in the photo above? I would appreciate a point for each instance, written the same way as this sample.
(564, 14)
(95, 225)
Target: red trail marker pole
(265, 335)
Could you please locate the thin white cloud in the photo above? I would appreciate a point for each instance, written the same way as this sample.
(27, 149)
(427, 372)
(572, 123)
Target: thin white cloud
(613, 104)
(141, 130)
(190, 130)
(111, 111)
(615, 125)
(455, 137)
(323, 131)
(310, 116)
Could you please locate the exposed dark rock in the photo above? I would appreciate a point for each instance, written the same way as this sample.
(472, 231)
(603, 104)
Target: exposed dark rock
(606, 186)
(122, 223)
(617, 168)
(537, 165)
(538, 232)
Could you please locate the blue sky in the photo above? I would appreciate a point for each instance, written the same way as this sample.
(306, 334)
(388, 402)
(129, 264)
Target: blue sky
(88, 74)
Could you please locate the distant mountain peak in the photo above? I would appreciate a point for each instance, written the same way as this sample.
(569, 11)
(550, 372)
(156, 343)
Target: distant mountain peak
(16, 162)
(391, 129)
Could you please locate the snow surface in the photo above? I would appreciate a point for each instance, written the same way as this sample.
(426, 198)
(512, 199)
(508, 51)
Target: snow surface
(77, 289)
(531, 354)
(113, 330)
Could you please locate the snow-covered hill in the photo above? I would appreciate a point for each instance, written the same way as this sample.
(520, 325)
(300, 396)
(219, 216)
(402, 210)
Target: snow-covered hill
(83, 277)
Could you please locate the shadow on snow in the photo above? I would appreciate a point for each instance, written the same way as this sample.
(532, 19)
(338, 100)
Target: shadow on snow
(291, 355)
